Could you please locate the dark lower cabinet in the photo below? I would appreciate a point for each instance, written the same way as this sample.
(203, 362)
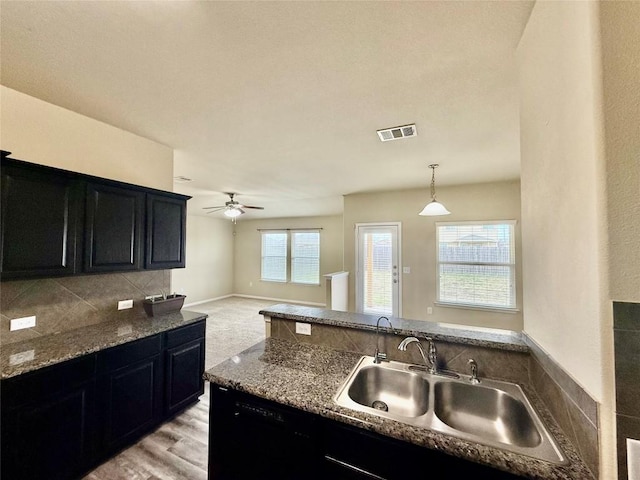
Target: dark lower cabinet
(184, 361)
(250, 437)
(59, 422)
(48, 428)
(130, 381)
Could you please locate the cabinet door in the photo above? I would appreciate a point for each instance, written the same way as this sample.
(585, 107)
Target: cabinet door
(184, 369)
(39, 215)
(130, 392)
(48, 422)
(114, 220)
(166, 232)
(132, 402)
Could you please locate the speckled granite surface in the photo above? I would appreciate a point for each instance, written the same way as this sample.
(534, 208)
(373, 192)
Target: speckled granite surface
(483, 337)
(308, 376)
(29, 355)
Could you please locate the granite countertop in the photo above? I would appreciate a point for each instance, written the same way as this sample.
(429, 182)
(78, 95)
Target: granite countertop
(447, 332)
(307, 377)
(28, 355)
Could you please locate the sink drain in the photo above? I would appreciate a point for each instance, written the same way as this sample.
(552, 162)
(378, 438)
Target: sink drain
(380, 405)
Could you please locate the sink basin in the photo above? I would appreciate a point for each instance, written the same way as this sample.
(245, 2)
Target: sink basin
(395, 391)
(492, 413)
(487, 412)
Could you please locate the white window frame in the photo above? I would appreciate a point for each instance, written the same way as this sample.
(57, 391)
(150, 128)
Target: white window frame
(262, 256)
(512, 266)
(292, 257)
(289, 254)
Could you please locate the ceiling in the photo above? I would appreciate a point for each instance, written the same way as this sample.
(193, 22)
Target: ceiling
(280, 101)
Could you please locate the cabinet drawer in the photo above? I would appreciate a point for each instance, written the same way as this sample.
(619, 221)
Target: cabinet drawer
(48, 381)
(186, 334)
(122, 355)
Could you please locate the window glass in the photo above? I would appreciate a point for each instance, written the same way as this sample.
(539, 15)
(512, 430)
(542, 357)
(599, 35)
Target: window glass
(476, 264)
(305, 257)
(274, 256)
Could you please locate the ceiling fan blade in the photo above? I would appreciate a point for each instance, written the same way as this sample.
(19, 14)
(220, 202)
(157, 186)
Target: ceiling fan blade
(220, 206)
(251, 206)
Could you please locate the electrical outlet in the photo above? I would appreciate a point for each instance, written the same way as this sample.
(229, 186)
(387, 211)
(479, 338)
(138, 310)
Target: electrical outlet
(23, 322)
(406, 269)
(124, 304)
(633, 459)
(303, 328)
(125, 330)
(18, 358)
(429, 310)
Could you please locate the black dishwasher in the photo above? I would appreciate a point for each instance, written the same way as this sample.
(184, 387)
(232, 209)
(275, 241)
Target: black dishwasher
(250, 437)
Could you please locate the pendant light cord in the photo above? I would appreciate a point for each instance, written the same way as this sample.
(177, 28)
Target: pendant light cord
(433, 180)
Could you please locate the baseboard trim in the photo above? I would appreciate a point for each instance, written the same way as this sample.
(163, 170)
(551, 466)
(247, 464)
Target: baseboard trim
(254, 297)
(187, 305)
(282, 300)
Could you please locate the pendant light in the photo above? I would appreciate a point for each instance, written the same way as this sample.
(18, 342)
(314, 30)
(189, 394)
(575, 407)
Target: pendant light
(434, 208)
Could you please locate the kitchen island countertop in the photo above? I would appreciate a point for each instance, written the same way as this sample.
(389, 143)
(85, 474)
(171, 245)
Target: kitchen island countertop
(307, 377)
(447, 332)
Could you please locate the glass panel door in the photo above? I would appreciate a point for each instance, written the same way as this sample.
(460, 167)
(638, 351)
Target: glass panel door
(377, 269)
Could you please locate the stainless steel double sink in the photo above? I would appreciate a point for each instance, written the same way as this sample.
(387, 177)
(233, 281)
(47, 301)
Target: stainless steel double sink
(493, 413)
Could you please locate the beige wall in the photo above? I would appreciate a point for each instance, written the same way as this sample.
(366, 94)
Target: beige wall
(209, 267)
(620, 27)
(567, 310)
(39, 132)
(491, 201)
(247, 252)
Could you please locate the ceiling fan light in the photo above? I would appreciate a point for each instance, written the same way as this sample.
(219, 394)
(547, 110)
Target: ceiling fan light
(233, 212)
(433, 209)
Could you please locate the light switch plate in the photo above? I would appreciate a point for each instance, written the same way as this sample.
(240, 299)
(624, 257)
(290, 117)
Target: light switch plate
(23, 322)
(303, 328)
(406, 269)
(633, 459)
(124, 304)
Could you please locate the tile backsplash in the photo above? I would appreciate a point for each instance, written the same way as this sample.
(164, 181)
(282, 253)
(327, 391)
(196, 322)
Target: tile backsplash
(626, 335)
(66, 303)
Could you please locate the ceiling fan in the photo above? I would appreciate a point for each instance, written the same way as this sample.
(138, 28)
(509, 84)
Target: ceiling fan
(232, 208)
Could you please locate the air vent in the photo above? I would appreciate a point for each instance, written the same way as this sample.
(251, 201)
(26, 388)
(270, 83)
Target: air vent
(181, 179)
(397, 133)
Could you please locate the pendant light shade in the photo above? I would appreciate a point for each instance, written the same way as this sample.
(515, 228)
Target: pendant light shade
(434, 208)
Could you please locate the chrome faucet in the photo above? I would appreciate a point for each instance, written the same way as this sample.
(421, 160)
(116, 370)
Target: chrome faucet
(474, 371)
(431, 361)
(380, 356)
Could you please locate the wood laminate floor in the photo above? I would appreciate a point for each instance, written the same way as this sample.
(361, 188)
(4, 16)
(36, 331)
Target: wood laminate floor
(177, 450)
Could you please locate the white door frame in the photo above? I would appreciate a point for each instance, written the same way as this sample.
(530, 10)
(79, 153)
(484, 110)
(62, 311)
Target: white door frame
(398, 226)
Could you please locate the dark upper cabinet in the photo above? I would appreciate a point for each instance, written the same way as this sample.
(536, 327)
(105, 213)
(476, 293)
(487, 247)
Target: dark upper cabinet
(113, 229)
(166, 232)
(55, 222)
(39, 222)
